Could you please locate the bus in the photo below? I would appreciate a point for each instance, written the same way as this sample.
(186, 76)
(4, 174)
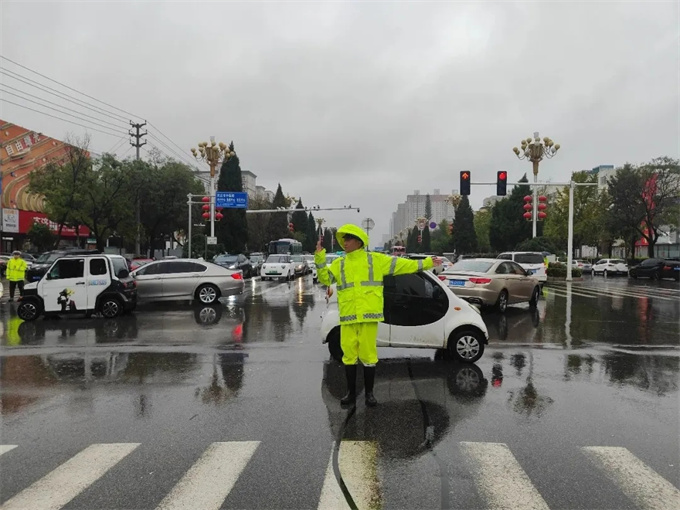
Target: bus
(398, 251)
(285, 246)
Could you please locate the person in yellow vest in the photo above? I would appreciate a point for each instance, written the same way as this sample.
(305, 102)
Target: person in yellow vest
(16, 272)
(359, 278)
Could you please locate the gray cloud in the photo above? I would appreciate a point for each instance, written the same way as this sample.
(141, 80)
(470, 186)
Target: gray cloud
(362, 103)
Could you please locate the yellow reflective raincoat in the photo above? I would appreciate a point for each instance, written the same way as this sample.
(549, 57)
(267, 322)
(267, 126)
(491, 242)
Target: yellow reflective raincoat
(359, 278)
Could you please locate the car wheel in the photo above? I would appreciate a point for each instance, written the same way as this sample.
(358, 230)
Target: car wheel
(110, 308)
(604, 273)
(207, 294)
(28, 311)
(466, 345)
(656, 275)
(592, 272)
(502, 303)
(334, 347)
(533, 302)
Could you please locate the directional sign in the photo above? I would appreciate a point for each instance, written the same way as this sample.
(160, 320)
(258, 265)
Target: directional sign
(231, 199)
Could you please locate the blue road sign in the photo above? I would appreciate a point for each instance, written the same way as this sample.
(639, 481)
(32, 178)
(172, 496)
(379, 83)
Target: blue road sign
(231, 199)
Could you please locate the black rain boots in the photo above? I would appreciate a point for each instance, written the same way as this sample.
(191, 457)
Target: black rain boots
(369, 381)
(351, 396)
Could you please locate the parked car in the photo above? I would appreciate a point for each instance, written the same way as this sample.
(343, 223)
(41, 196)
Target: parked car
(278, 266)
(81, 284)
(610, 267)
(532, 261)
(583, 265)
(178, 279)
(312, 267)
(45, 261)
(240, 262)
(420, 312)
(656, 269)
(299, 265)
(492, 282)
(137, 263)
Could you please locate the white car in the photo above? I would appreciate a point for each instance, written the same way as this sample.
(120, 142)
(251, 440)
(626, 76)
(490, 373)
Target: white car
(312, 267)
(610, 267)
(420, 311)
(531, 261)
(279, 266)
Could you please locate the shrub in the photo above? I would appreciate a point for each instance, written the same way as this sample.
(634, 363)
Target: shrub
(559, 270)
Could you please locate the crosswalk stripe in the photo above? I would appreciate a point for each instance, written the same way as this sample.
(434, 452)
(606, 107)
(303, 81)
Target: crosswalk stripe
(500, 479)
(4, 448)
(636, 480)
(621, 292)
(358, 466)
(65, 482)
(209, 481)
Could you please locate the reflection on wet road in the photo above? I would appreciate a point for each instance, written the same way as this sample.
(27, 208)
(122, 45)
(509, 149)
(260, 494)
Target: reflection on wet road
(242, 401)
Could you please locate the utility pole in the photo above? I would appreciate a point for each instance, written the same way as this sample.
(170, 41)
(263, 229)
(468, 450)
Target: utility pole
(137, 144)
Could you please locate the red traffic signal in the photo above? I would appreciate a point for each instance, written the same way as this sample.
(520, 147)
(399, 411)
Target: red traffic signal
(501, 183)
(291, 227)
(465, 182)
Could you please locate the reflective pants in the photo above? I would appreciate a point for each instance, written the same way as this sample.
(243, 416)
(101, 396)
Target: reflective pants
(359, 342)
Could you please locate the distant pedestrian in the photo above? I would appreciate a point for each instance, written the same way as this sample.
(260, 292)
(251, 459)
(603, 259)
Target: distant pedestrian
(16, 272)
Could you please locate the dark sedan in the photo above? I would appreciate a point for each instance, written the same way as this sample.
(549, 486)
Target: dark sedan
(236, 262)
(656, 269)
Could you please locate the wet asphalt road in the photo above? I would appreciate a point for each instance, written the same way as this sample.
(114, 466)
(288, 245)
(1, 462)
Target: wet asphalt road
(573, 405)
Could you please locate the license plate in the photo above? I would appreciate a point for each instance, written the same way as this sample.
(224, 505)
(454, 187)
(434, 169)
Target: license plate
(676, 268)
(456, 283)
(271, 272)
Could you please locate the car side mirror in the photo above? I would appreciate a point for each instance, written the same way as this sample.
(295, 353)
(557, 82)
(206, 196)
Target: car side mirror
(48, 276)
(123, 273)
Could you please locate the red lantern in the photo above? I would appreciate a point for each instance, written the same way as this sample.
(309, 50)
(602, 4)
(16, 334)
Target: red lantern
(219, 216)
(218, 208)
(542, 198)
(528, 207)
(527, 216)
(291, 227)
(206, 215)
(542, 207)
(420, 239)
(528, 198)
(205, 199)
(205, 207)
(541, 215)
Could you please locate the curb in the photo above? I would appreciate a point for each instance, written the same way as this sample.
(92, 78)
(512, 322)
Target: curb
(564, 279)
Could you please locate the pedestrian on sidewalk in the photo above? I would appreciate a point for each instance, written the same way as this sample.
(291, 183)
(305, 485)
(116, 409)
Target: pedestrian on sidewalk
(16, 272)
(359, 278)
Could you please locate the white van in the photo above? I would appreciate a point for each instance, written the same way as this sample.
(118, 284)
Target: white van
(531, 261)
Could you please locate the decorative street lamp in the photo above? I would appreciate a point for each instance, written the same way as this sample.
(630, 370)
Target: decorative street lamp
(320, 221)
(213, 154)
(455, 200)
(535, 151)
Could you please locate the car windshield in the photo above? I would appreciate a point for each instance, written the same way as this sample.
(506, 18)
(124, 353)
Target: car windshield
(479, 266)
(297, 258)
(46, 258)
(616, 261)
(309, 258)
(277, 259)
(529, 258)
(226, 259)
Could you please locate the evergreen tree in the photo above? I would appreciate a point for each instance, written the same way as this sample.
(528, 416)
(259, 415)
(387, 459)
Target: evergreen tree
(426, 240)
(299, 219)
(328, 241)
(312, 235)
(412, 240)
(278, 228)
(232, 230)
(464, 235)
(508, 228)
(428, 208)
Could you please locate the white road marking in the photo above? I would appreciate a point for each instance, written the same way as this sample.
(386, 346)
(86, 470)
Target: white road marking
(209, 481)
(634, 478)
(4, 448)
(358, 466)
(61, 485)
(500, 479)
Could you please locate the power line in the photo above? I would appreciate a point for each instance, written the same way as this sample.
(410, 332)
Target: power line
(109, 126)
(117, 145)
(55, 117)
(167, 137)
(70, 88)
(59, 94)
(181, 158)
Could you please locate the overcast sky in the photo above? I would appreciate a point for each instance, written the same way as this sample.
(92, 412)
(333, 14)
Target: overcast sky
(362, 103)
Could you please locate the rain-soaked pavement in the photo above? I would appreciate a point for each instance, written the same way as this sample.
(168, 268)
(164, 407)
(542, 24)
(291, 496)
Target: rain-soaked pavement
(573, 405)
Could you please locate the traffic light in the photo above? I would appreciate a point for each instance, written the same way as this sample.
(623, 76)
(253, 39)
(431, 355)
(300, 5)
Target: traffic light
(291, 227)
(502, 183)
(465, 182)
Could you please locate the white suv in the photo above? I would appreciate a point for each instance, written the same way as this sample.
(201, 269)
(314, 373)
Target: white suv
(531, 261)
(610, 267)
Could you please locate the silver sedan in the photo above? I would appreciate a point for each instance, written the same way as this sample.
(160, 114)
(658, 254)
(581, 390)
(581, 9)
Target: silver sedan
(177, 279)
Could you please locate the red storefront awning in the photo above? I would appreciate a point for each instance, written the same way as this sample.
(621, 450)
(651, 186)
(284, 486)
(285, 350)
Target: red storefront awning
(28, 218)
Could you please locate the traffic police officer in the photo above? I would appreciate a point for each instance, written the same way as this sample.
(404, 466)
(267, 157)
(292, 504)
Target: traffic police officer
(359, 279)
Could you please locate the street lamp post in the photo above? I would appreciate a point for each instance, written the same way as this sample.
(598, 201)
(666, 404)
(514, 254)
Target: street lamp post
(535, 151)
(212, 153)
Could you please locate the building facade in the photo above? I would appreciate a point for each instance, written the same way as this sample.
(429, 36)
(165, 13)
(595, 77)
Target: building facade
(409, 211)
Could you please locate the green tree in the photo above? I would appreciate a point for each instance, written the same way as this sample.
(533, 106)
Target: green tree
(312, 236)
(428, 207)
(464, 236)
(258, 224)
(482, 222)
(440, 238)
(412, 240)
(299, 218)
(427, 245)
(232, 231)
(278, 227)
(329, 243)
(508, 228)
(41, 237)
